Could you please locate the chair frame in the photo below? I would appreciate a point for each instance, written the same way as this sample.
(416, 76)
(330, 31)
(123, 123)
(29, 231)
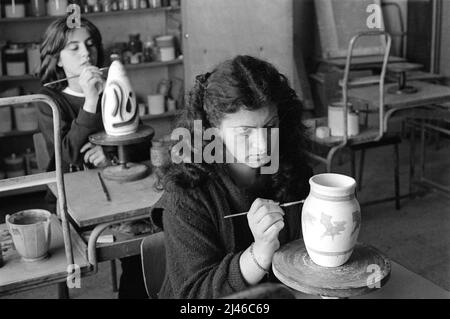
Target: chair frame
(345, 87)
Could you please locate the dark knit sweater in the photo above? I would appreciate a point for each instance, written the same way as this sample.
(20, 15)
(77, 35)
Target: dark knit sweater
(202, 248)
(76, 126)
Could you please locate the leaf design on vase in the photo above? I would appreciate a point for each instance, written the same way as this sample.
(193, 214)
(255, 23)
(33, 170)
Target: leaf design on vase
(332, 228)
(308, 218)
(356, 221)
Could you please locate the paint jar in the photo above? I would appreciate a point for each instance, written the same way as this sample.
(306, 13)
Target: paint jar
(15, 9)
(37, 8)
(336, 120)
(30, 160)
(171, 105)
(56, 7)
(154, 3)
(156, 104)
(15, 60)
(166, 47)
(14, 166)
(34, 58)
(26, 117)
(5, 119)
(160, 153)
(134, 4)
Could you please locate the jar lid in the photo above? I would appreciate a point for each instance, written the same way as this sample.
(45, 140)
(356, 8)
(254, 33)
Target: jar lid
(13, 159)
(14, 50)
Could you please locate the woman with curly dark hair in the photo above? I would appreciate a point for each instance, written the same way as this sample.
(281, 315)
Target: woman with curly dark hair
(257, 120)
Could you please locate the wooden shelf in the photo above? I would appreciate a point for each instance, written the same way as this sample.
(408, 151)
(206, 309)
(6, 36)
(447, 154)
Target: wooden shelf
(26, 77)
(155, 64)
(92, 14)
(22, 191)
(159, 116)
(17, 133)
(138, 66)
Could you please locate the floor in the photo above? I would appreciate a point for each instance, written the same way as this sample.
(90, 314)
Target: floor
(416, 236)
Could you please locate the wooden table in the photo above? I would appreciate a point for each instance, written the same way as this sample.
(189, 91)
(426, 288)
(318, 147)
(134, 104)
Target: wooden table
(88, 206)
(17, 275)
(427, 94)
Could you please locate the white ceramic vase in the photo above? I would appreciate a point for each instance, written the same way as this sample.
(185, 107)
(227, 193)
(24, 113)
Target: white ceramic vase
(120, 113)
(331, 219)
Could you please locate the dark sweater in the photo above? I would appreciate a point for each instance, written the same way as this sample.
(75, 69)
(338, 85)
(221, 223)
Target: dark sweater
(202, 248)
(76, 126)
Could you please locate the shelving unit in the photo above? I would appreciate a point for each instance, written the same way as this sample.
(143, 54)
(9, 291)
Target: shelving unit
(94, 14)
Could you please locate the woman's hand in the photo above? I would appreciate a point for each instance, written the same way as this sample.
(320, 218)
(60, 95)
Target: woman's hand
(265, 219)
(94, 155)
(91, 83)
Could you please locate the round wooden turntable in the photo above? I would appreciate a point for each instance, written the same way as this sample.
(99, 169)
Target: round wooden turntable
(124, 171)
(366, 270)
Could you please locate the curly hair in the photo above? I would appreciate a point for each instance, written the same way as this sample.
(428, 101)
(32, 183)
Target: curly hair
(53, 42)
(244, 82)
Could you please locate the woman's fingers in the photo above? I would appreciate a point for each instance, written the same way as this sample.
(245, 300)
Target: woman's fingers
(267, 209)
(86, 146)
(268, 220)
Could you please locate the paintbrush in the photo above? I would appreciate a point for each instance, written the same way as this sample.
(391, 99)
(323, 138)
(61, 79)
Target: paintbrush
(105, 190)
(281, 205)
(70, 77)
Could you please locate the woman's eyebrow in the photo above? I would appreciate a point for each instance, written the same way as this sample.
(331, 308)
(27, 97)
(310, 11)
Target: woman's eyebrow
(249, 126)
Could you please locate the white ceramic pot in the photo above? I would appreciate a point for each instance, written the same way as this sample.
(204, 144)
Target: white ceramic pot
(31, 233)
(331, 219)
(120, 113)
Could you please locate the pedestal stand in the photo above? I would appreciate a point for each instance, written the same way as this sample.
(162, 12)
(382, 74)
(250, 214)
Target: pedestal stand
(124, 172)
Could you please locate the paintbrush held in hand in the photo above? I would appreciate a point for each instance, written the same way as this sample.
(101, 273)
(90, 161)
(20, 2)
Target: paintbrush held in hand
(281, 205)
(70, 77)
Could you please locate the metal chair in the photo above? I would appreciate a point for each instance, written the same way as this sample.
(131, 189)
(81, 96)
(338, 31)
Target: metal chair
(153, 256)
(368, 137)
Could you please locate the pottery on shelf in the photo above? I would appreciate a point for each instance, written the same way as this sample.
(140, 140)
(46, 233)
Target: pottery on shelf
(331, 219)
(119, 109)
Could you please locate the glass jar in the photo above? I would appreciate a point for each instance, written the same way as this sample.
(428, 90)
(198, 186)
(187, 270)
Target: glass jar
(154, 3)
(37, 8)
(56, 7)
(15, 9)
(159, 153)
(135, 47)
(149, 51)
(15, 60)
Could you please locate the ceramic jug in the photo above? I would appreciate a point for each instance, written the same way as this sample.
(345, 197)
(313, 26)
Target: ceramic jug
(119, 110)
(31, 233)
(331, 219)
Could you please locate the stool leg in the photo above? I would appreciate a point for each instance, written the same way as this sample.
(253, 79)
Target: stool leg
(412, 162)
(361, 168)
(113, 275)
(397, 177)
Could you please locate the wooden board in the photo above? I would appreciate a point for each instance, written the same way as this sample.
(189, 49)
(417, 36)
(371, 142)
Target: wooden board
(293, 267)
(216, 30)
(428, 94)
(339, 21)
(87, 204)
(18, 275)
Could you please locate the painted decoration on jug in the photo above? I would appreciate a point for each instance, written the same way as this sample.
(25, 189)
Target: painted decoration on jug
(333, 228)
(119, 108)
